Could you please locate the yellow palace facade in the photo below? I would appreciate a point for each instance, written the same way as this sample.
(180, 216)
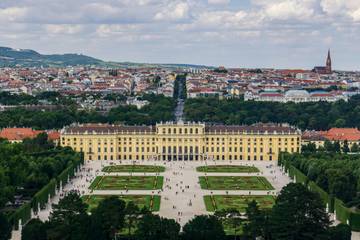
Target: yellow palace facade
(182, 141)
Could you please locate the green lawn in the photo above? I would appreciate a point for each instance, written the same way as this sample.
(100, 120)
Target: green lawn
(127, 182)
(235, 183)
(228, 168)
(148, 201)
(133, 168)
(239, 202)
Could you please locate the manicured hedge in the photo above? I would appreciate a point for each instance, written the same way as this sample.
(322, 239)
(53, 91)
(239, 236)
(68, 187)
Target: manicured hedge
(347, 215)
(42, 196)
(23, 213)
(300, 177)
(343, 214)
(324, 195)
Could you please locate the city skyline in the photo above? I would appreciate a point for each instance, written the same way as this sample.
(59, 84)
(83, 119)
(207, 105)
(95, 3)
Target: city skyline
(248, 34)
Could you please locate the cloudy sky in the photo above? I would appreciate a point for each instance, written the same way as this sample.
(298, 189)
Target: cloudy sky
(233, 33)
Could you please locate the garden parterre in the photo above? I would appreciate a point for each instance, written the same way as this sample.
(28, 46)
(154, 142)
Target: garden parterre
(151, 202)
(235, 183)
(134, 168)
(228, 169)
(239, 202)
(127, 183)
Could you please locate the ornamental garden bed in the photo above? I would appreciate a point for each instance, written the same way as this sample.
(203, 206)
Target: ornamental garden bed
(239, 202)
(127, 183)
(235, 183)
(134, 168)
(228, 169)
(151, 202)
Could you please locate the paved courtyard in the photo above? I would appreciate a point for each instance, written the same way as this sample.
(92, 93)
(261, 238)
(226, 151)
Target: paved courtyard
(181, 195)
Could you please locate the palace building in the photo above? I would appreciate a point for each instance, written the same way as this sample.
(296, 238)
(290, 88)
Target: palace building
(182, 141)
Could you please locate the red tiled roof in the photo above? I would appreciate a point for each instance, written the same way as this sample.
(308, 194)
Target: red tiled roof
(341, 134)
(18, 133)
(54, 135)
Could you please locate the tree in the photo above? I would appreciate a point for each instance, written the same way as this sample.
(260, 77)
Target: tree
(345, 147)
(132, 213)
(69, 219)
(5, 227)
(154, 227)
(230, 216)
(35, 229)
(111, 215)
(235, 219)
(256, 225)
(309, 148)
(329, 146)
(298, 214)
(337, 147)
(355, 148)
(342, 183)
(203, 227)
(340, 232)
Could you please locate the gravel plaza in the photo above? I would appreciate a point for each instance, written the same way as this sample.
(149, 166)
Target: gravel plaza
(181, 196)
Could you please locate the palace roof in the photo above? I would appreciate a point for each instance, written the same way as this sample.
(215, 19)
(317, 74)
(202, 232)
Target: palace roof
(112, 129)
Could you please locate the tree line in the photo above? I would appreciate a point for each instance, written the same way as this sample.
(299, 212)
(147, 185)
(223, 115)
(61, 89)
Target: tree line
(298, 214)
(26, 167)
(7, 98)
(337, 173)
(317, 115)
(180, 92)
(160, 109)
(332, 147)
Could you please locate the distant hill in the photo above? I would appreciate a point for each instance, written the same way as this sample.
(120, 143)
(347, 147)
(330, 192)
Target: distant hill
(10, 57)
(29, 58)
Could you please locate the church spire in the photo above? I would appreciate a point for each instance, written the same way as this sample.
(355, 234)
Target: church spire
(328, 63)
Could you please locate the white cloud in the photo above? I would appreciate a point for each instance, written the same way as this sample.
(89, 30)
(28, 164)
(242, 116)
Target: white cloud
(345, 8)
(107, 30)
(356, 15)
(288, 9)
(50, 24)
(173, 12)
(219, 2)
(63, 28)
(12, 14)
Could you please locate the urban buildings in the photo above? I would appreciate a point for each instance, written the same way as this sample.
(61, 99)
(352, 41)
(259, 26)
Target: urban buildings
(296, 96)
(351, 135)
(182, 141)
(15, 135)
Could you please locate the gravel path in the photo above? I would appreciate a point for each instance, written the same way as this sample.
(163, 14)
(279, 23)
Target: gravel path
(181, 196)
